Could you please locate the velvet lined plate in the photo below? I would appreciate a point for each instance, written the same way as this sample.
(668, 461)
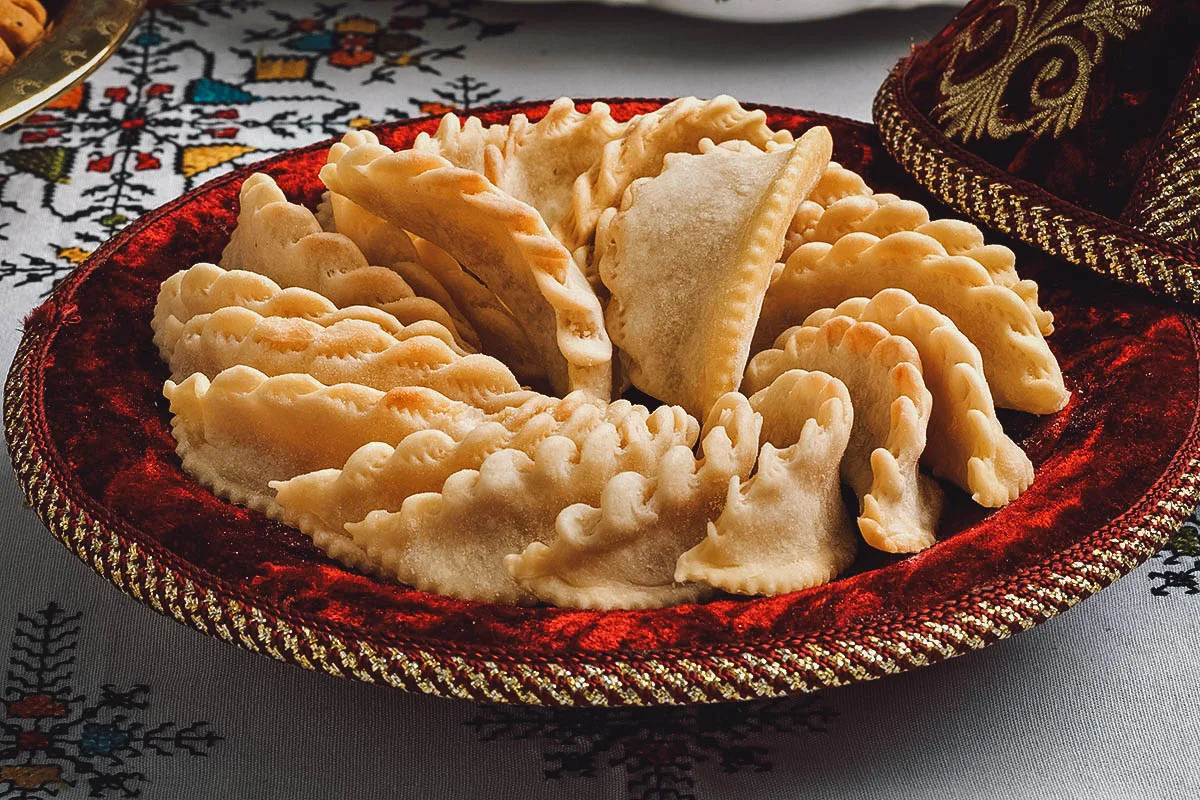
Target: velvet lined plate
(89, 436)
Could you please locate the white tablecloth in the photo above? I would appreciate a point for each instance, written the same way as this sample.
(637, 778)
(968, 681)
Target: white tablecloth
(1101, 702)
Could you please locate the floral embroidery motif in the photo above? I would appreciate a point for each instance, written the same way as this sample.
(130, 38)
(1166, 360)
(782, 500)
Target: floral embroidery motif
(1179, 562)
(461, 95)
(52, 737)
(657, 749)
(206, 86)
(338, 36)
(1040, 80)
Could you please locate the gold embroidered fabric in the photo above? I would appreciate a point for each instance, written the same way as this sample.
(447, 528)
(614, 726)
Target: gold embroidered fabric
(1067, 47)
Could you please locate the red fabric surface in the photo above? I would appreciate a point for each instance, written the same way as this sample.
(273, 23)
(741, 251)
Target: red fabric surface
(1130, 361)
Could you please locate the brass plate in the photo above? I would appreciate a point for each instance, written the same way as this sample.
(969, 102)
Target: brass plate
(85, 33)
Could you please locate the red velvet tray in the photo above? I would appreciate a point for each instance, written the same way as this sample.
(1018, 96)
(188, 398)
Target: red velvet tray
(88, 432)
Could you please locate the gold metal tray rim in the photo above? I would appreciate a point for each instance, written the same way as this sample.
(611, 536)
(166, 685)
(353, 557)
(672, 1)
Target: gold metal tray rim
(84, 35)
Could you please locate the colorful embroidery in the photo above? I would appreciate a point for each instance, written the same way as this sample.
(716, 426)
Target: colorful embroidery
(53, 737)
(1057, 50)
(340, 37)
(112, 150)
(657, 749)
(172, 109)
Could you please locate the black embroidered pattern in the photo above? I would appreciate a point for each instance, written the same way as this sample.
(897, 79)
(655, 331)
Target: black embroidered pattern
(658, 749)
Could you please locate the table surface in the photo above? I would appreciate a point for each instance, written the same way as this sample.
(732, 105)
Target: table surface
(1100, 702)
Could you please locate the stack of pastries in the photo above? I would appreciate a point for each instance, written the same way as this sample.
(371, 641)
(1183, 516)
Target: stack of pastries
(425, 375)
(23, 23)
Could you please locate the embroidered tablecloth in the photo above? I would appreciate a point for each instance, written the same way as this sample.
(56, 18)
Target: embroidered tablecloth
(104, 698)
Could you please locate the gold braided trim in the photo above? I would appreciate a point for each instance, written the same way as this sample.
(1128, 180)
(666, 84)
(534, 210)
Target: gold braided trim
(760, 670)
(1029, 213)
(1164, 203)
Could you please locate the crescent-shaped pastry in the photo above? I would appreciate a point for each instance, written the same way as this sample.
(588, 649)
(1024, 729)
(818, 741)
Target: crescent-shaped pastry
(243, 430)
(539, 162)
(1020, 368)
(425, 284)
(966, 443)
(383, 243)
(836, 184)
(677, 127)
(786, 528)
(454, 541)
(380, 477)
(884, 214)
(483, 320)
(621, 552)
(378, 241)
(462, 142)
(499, 333)
(345, 350)
(501, 240)
(206, 288)
(284, 242)
(535, 162)
(688, 258)
(898, 506)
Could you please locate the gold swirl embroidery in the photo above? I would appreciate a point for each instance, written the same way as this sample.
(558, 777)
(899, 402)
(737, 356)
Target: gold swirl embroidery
(975, 108)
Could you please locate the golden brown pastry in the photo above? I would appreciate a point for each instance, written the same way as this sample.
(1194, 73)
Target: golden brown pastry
(500, 239)
(898, 506)
(327, 372)
(379, 476)
(786, 528)
(619, 551)
(966, 442)
(22, 24)
(1020, 368)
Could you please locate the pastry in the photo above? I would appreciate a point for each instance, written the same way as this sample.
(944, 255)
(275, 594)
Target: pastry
(379, 476)
(687, 260)
(206, 288)
(499, 333)
(378, 241)
(419, 376)
(243, 429)
(284, 242)
(850, 206)
(344, 350)
(786, 528)
(966, 443)
(677, 127)
(454, 541)
(1020, 368)
(500, 239)
(22, 25)
(898, 506)
(620, 552)
(535, 162)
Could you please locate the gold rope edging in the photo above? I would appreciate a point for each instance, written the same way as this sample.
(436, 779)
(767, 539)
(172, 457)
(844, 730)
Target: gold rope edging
(1027, 215)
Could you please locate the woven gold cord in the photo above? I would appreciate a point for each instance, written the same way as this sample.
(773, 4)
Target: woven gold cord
(1166, 202)
(1031, 215)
